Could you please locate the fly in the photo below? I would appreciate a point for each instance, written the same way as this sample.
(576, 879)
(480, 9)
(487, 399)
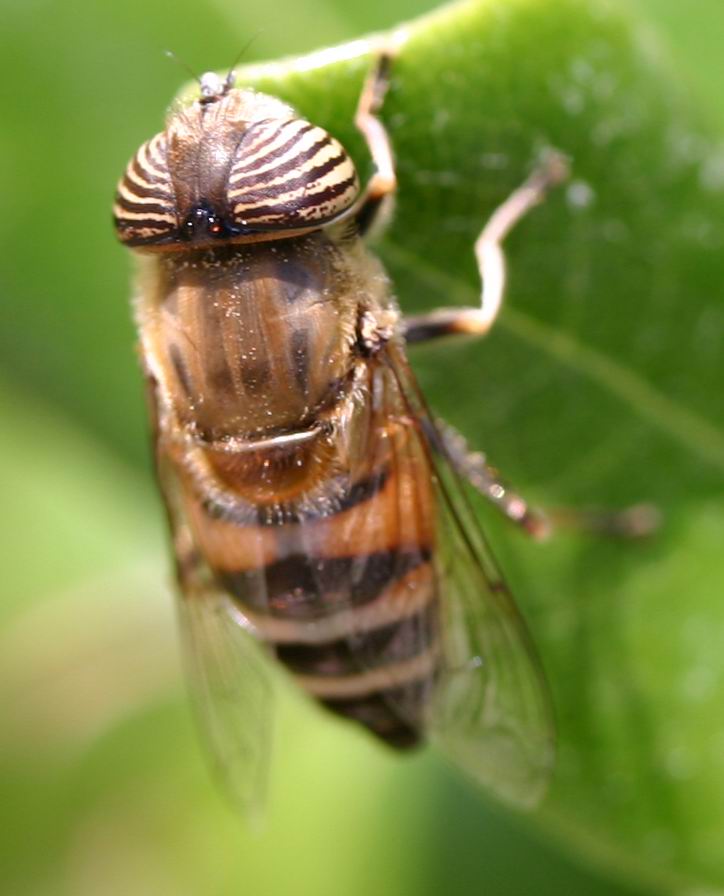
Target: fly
(315, 506)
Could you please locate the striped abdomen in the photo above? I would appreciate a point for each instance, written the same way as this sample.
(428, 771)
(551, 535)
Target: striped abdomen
(342, 586)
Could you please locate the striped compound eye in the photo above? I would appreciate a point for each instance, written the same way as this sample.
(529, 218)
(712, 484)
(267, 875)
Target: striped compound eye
(289, 174)
(145, 207)
(212, 177)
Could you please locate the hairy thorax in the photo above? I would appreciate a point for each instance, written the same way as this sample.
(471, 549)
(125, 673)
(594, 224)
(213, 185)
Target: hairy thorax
(254, 340)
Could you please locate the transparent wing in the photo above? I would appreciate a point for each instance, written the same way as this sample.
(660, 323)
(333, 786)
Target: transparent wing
(232, 693)
(490, 709)
(229, 680)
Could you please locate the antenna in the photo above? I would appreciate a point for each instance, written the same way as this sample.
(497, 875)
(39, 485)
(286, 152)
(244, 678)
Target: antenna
(184, 65)
(229, 80)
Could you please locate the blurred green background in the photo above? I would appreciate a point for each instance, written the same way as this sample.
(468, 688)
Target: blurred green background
(104, 790)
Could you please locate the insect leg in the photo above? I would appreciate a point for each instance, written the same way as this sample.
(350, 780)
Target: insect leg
(374, 203)
(473, 466)
(636, 521)
(491, 260)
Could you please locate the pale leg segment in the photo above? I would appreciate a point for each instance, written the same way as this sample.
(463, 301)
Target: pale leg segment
(374, 203)
(491, 259)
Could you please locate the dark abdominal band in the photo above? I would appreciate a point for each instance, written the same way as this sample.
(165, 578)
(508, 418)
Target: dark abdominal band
(360, 629)
(306, 588)
(393, 714)
(301, 589)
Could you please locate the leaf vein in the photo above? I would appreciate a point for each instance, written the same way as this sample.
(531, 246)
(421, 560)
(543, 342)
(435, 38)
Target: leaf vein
(669, 416)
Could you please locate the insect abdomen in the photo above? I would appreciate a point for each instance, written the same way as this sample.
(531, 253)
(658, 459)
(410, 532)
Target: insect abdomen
(346, 595)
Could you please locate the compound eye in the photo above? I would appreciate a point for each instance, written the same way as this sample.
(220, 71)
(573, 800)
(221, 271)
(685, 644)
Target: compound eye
(145, 208)
(289, 174)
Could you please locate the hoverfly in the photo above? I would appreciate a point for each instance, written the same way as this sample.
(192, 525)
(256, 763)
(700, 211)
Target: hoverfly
(314, 504)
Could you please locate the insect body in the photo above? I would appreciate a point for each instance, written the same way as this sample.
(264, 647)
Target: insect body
(311, 498)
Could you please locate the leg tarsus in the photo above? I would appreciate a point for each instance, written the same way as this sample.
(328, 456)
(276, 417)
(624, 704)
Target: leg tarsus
(636, 521)
(552, 170)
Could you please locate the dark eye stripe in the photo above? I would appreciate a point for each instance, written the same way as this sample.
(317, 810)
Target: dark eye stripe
(156, 149)
(307, 178)
(141, 232)
(312, 201)
(129, 191)
(148, 208)
(297, 161)
(253, 149)
(137, 179)
(148, 165)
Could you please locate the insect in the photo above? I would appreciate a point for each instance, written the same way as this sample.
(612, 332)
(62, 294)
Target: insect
(314, 504)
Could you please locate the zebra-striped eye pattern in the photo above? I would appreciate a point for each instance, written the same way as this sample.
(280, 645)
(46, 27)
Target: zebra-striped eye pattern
(230, 170)
(290, 173)
(145, 207)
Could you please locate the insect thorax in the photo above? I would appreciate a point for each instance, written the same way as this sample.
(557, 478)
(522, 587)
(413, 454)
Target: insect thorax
(252, 340)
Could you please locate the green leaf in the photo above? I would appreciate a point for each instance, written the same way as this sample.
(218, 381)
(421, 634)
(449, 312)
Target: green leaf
(600, 385)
